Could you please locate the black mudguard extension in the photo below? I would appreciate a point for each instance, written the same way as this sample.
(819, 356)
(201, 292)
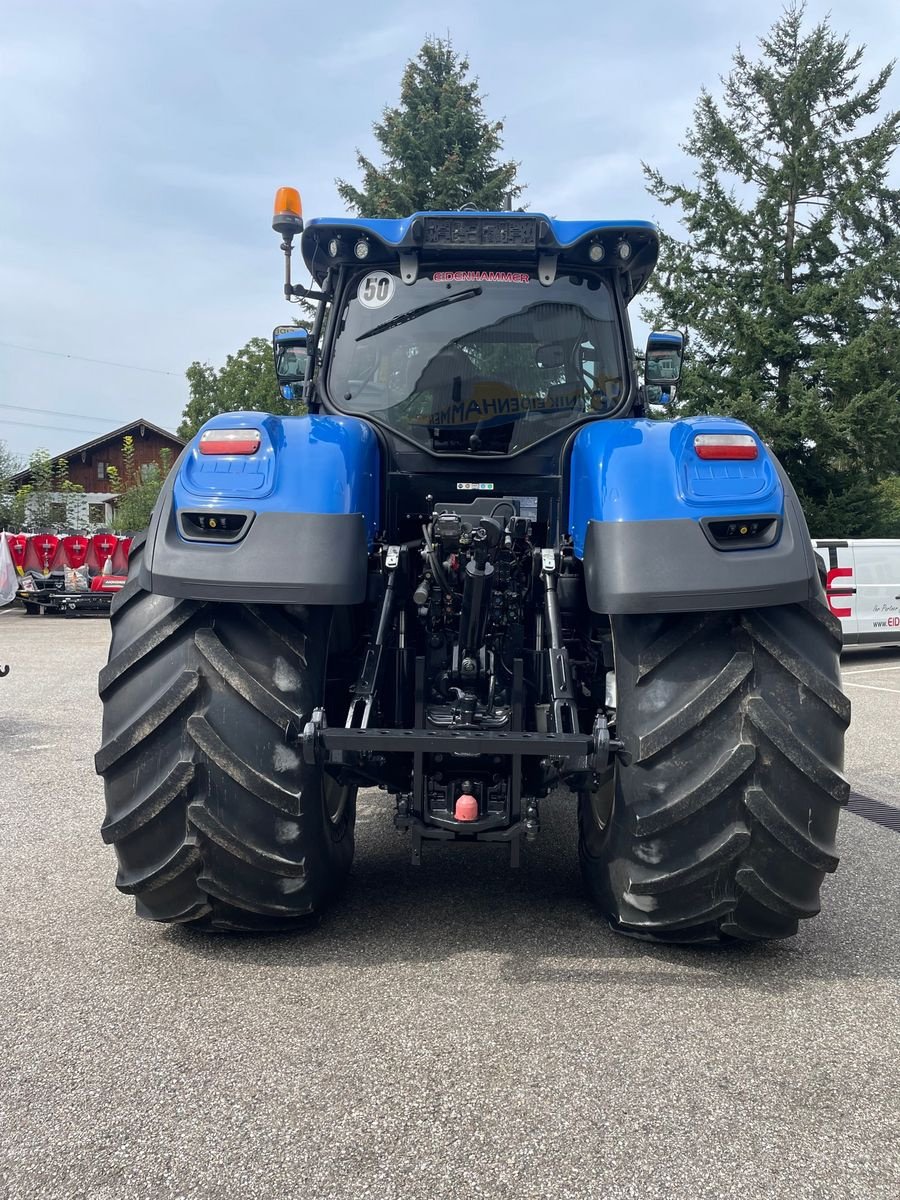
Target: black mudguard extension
(284, 558)
(670, 566)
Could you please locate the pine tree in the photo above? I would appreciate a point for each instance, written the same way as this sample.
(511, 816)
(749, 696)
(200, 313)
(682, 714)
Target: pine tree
(440, 150)
(789, 277)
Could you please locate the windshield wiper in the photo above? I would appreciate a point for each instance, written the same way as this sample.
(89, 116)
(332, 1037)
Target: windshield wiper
(413, 313)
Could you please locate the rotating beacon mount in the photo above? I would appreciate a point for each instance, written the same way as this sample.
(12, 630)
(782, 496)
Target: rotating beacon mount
(287, 220)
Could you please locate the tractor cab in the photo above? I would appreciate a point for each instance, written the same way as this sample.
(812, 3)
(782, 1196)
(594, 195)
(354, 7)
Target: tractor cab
(473, 333)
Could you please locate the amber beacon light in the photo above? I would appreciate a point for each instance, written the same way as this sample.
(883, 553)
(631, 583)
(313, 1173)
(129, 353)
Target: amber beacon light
(287, 217)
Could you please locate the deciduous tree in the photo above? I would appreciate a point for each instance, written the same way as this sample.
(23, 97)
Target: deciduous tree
(247, 381)
(138, 488)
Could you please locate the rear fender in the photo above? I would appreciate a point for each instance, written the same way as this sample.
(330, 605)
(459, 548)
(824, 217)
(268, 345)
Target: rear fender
(291, 524)
(643, 510)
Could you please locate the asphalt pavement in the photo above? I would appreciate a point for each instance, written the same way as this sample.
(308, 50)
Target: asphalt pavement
(872, 681)
(451, 1031)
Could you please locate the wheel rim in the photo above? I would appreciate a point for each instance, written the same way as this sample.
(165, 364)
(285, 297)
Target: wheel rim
(602, 800)
(336, 798)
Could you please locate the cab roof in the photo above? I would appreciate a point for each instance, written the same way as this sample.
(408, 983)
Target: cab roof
(549, 245)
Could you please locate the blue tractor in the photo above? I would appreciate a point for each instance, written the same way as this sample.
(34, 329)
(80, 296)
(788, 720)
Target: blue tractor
(474, 573)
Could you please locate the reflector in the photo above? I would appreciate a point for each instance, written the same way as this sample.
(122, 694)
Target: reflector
(725, 446)
(229, 441)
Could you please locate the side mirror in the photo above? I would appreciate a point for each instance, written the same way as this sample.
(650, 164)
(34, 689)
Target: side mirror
(663, 360)
(290, 350)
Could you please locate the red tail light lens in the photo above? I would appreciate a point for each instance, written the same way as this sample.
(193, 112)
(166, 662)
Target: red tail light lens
(725, 445)
(229, 441)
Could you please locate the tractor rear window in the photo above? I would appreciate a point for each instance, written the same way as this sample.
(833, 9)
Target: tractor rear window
(480, 360)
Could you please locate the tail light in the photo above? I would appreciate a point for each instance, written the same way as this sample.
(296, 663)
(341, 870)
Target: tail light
(726, 445)
(229, 441)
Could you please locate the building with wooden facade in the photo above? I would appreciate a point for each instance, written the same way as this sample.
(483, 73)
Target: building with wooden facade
(92, 508)
(89, 463)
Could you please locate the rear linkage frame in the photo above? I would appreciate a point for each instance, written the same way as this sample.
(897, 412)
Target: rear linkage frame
(412, 762)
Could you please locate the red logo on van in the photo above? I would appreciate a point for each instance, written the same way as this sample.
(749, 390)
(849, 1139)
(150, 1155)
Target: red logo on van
(830, 590)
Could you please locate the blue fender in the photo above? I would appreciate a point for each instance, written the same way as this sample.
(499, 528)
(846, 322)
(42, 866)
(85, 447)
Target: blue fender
(661, 530)
(290, 524)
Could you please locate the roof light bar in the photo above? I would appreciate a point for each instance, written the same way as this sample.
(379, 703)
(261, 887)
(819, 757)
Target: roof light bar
(230, 441)
(725, 445)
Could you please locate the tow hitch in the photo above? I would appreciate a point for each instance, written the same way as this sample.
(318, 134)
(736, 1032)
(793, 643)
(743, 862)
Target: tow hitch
(436, 797)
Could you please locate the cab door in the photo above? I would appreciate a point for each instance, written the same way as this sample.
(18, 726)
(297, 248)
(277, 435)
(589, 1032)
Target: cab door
(840, 586)
(876, 575)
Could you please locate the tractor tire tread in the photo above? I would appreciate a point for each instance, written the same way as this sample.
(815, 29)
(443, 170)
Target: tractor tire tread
(135, 733)
(717, 853)
(782, 828)
(664, 809)
(186, 857)
(149, 805)
(671, 639)
(724, 818)
(697, 709)
(230, 763)
(227, 666)
(244, 902)
(795, 749)
(241, 846)
(158, 633)
(216, 821)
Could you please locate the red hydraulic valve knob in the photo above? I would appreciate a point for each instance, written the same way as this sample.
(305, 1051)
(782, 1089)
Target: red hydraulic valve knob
(466, 808)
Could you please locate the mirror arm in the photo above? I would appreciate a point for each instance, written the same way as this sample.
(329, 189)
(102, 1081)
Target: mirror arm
(295, 289)
(309, 391)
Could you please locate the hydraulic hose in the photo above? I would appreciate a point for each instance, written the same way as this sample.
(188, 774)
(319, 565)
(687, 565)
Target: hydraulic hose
(431, 555)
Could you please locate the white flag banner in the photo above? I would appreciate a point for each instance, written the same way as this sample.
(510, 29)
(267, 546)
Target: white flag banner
(9, 580)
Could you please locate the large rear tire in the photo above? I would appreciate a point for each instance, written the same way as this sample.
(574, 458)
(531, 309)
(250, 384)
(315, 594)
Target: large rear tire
(719, 822)
(215, 818)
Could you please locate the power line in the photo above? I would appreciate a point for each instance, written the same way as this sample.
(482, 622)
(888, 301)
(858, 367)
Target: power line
(56, 412)
(102, 362)
(51, 428)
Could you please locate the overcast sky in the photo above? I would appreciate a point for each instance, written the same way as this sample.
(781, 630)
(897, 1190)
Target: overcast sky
(141, 142)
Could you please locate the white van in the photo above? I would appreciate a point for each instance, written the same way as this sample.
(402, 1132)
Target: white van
(863, 588)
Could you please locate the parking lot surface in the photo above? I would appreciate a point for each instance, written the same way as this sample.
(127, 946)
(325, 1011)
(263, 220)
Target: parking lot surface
(456, 1030)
